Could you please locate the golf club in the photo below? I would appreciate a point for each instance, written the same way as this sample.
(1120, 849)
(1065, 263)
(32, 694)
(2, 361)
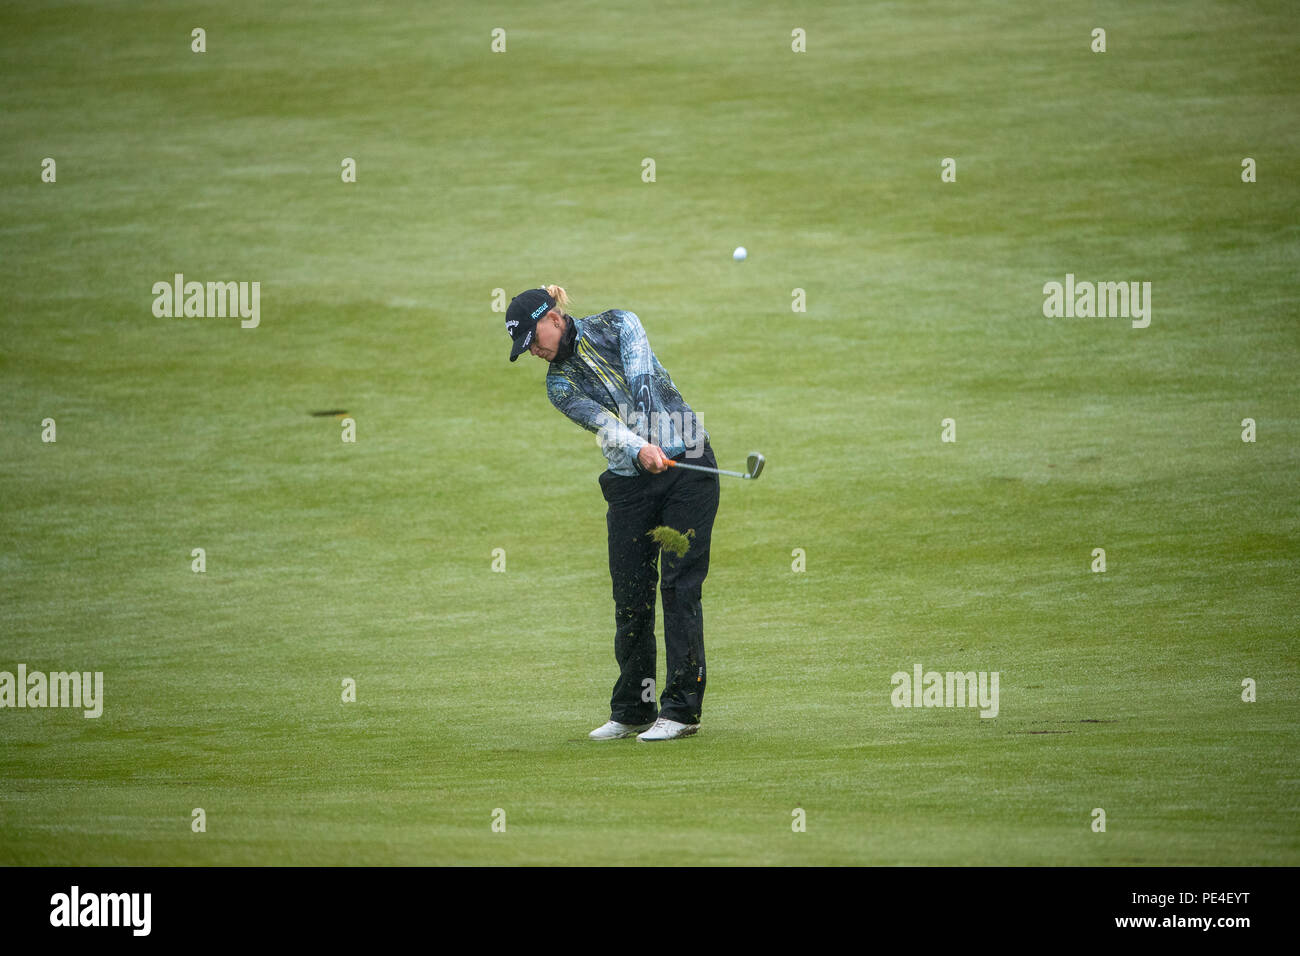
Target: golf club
(753, 467)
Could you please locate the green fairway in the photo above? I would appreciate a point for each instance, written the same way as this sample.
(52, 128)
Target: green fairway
(372, 560)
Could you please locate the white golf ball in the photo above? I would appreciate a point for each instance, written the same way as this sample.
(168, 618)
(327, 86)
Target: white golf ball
(739, 254)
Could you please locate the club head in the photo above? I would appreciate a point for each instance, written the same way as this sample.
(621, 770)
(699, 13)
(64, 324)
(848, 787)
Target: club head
(755, 465)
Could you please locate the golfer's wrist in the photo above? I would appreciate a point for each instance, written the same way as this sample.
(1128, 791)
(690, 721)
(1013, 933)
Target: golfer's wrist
(641, 464)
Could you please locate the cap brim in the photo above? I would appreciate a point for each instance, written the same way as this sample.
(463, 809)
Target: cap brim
(521, 345)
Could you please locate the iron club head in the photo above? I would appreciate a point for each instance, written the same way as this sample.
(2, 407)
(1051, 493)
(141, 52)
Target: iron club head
(754, 467)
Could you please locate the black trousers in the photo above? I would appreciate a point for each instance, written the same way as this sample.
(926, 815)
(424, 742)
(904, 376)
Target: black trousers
(683, 500)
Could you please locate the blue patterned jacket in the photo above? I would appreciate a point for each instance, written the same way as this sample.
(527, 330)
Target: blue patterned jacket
(613, 385)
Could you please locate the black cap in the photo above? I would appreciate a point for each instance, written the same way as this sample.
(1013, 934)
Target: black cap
(522, 315)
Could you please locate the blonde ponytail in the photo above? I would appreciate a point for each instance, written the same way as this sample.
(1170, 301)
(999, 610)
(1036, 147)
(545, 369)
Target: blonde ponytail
(558, 294)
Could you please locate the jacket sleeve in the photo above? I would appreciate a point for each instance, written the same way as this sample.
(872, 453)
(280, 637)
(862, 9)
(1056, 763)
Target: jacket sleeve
(638, 362)
(610, 432)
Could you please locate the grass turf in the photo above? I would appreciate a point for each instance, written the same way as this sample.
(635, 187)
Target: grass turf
(372, 561)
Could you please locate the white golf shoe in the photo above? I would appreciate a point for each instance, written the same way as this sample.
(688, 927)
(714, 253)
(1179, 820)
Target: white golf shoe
(613, 730)
(665, 729)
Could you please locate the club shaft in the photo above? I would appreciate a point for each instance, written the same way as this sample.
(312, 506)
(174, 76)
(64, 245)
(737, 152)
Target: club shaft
(715, 471)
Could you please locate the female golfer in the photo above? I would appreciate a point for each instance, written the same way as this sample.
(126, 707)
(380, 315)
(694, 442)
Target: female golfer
(604, 376)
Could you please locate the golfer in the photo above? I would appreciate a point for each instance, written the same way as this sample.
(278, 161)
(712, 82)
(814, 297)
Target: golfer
(604, 376)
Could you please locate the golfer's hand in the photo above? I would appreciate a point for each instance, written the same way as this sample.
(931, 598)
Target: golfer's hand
(652, 459)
